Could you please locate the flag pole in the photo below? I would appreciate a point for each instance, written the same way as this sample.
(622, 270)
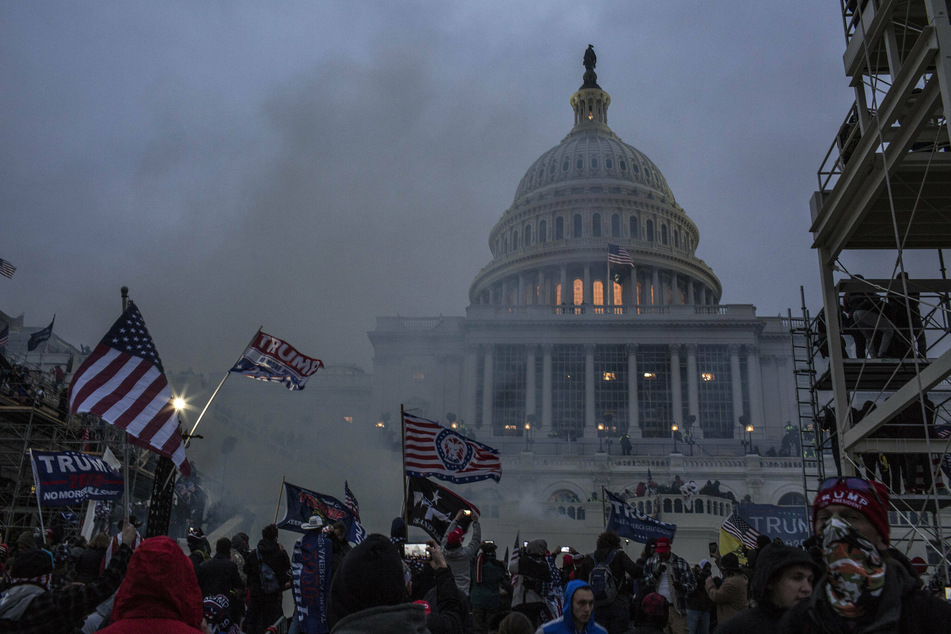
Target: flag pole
(215, 393)
(405, 481)
(36, 486)
(279, 497)
(604, 512)
(126, 496)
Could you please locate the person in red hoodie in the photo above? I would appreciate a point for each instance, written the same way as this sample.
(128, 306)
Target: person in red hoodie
(159, 593)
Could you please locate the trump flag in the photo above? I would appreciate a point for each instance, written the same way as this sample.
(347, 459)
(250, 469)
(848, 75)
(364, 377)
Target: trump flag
(433, 450)
(268, 358)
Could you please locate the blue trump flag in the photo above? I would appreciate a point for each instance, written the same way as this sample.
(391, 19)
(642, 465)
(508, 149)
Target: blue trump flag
(311, 567)
(303, 503)
(67, 478)
(788, 523)
(628, 522)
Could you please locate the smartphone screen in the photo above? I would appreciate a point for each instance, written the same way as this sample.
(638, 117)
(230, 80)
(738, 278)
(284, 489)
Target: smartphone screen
(566, 549)
(713, 548)
(416, 552)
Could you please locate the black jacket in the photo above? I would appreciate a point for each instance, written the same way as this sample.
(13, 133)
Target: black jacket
(275, 557)
(903, 608)
(219, 575)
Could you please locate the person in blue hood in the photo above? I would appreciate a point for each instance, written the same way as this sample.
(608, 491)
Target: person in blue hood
(577, 617)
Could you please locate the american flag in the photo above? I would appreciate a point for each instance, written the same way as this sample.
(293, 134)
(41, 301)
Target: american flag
(433, 450)
(515, 552)
(619, 255)
(736, 526)
(7, 269)
(5, 336)
(350, 500)
(123, 382)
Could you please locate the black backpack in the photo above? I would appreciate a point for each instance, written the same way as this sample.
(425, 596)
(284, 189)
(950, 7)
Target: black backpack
(602, 581)
(269, 582)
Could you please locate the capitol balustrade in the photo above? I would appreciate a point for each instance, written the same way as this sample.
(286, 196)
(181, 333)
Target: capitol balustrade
(693, 511)
(619, 466)
(729, 312)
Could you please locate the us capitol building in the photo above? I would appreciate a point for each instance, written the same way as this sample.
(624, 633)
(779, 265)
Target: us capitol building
(562, 355)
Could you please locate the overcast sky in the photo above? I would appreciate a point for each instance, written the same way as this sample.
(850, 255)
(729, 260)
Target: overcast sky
(310, 166)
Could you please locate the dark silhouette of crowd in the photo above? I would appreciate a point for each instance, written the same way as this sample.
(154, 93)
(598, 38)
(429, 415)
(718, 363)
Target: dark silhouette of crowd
(845, 579)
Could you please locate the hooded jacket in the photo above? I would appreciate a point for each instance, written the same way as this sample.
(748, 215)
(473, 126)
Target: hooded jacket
(159, 593)
(522, 593)
(274, 556)
(565, 624)
(903, 607)
(770, 563)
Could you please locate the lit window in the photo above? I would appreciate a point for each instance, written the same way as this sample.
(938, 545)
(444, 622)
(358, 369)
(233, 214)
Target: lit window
(609, 376)
(650, 376)
(707, 376)
(558, 293)
(579, 292)
(418, 375)
(618, 295)
(349, 419)
(598, 293)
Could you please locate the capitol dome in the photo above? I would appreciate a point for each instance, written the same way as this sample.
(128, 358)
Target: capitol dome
(590, 193)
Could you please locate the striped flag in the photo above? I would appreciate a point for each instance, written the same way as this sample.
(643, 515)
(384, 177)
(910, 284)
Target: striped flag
(350, 500)
(7, 269)
(619, 255)
(738, 528)
(4, 335)
(515, 553)
(123, 382)
(433, 450)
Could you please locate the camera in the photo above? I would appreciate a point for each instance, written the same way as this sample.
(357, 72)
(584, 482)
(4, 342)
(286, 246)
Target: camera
(566, 549)
(416, 552)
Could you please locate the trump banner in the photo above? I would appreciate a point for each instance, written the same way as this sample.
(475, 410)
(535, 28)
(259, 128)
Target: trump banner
(311, 566)
(67, 478)
(788, 523)
(303, 503)
(268, 358)
(628, 522)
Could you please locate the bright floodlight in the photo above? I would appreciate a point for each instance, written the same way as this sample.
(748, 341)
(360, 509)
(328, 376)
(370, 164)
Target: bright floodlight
(178, 403)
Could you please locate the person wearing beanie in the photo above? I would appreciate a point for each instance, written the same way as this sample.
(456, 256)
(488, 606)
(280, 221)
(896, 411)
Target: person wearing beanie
(370, 592)
(29, 606)
(670, 576)
(159, 594)
(783, 576)
(532, 581)
(730, 596)
(264, 608)
(577, 617)
(488, 576)
(864, 589)
(219, 575)
(652, 614)
(460, 557)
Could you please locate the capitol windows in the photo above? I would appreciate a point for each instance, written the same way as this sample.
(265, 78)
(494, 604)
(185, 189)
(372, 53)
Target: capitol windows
(514, 240)
(622, 164)
(650, 230)
(528, 235)
(551, 170)
(578, 292)
(715, 391)
(653, 388)
(567, 393)
(615, 226)
(663, 234)
(596, 225)
(559, 228)
(565, 165)
(579, 164)
(598, 291)
(608, 163)
(542, 231)
(610, 390)
(509, 365)
(558, 301)
(633, 226)
(576, 226)
(677, 238)
(594, 163)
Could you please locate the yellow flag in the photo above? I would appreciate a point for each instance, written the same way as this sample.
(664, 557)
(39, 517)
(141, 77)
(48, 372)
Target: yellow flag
(730, 544)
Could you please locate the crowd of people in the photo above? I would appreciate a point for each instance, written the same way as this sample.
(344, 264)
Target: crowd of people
(846, 578)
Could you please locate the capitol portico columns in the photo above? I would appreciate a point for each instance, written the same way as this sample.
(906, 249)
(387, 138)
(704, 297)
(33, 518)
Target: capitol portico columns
(676, 391)
(546, 385)
(756, 386)
(737, 384)
(633, 414)
(693, 394)
(655, 287)
(471, 370)
(530, 382)
(589, 428)
(487, 389)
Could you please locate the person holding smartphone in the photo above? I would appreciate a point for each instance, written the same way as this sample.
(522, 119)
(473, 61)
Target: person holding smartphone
(458, 556)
